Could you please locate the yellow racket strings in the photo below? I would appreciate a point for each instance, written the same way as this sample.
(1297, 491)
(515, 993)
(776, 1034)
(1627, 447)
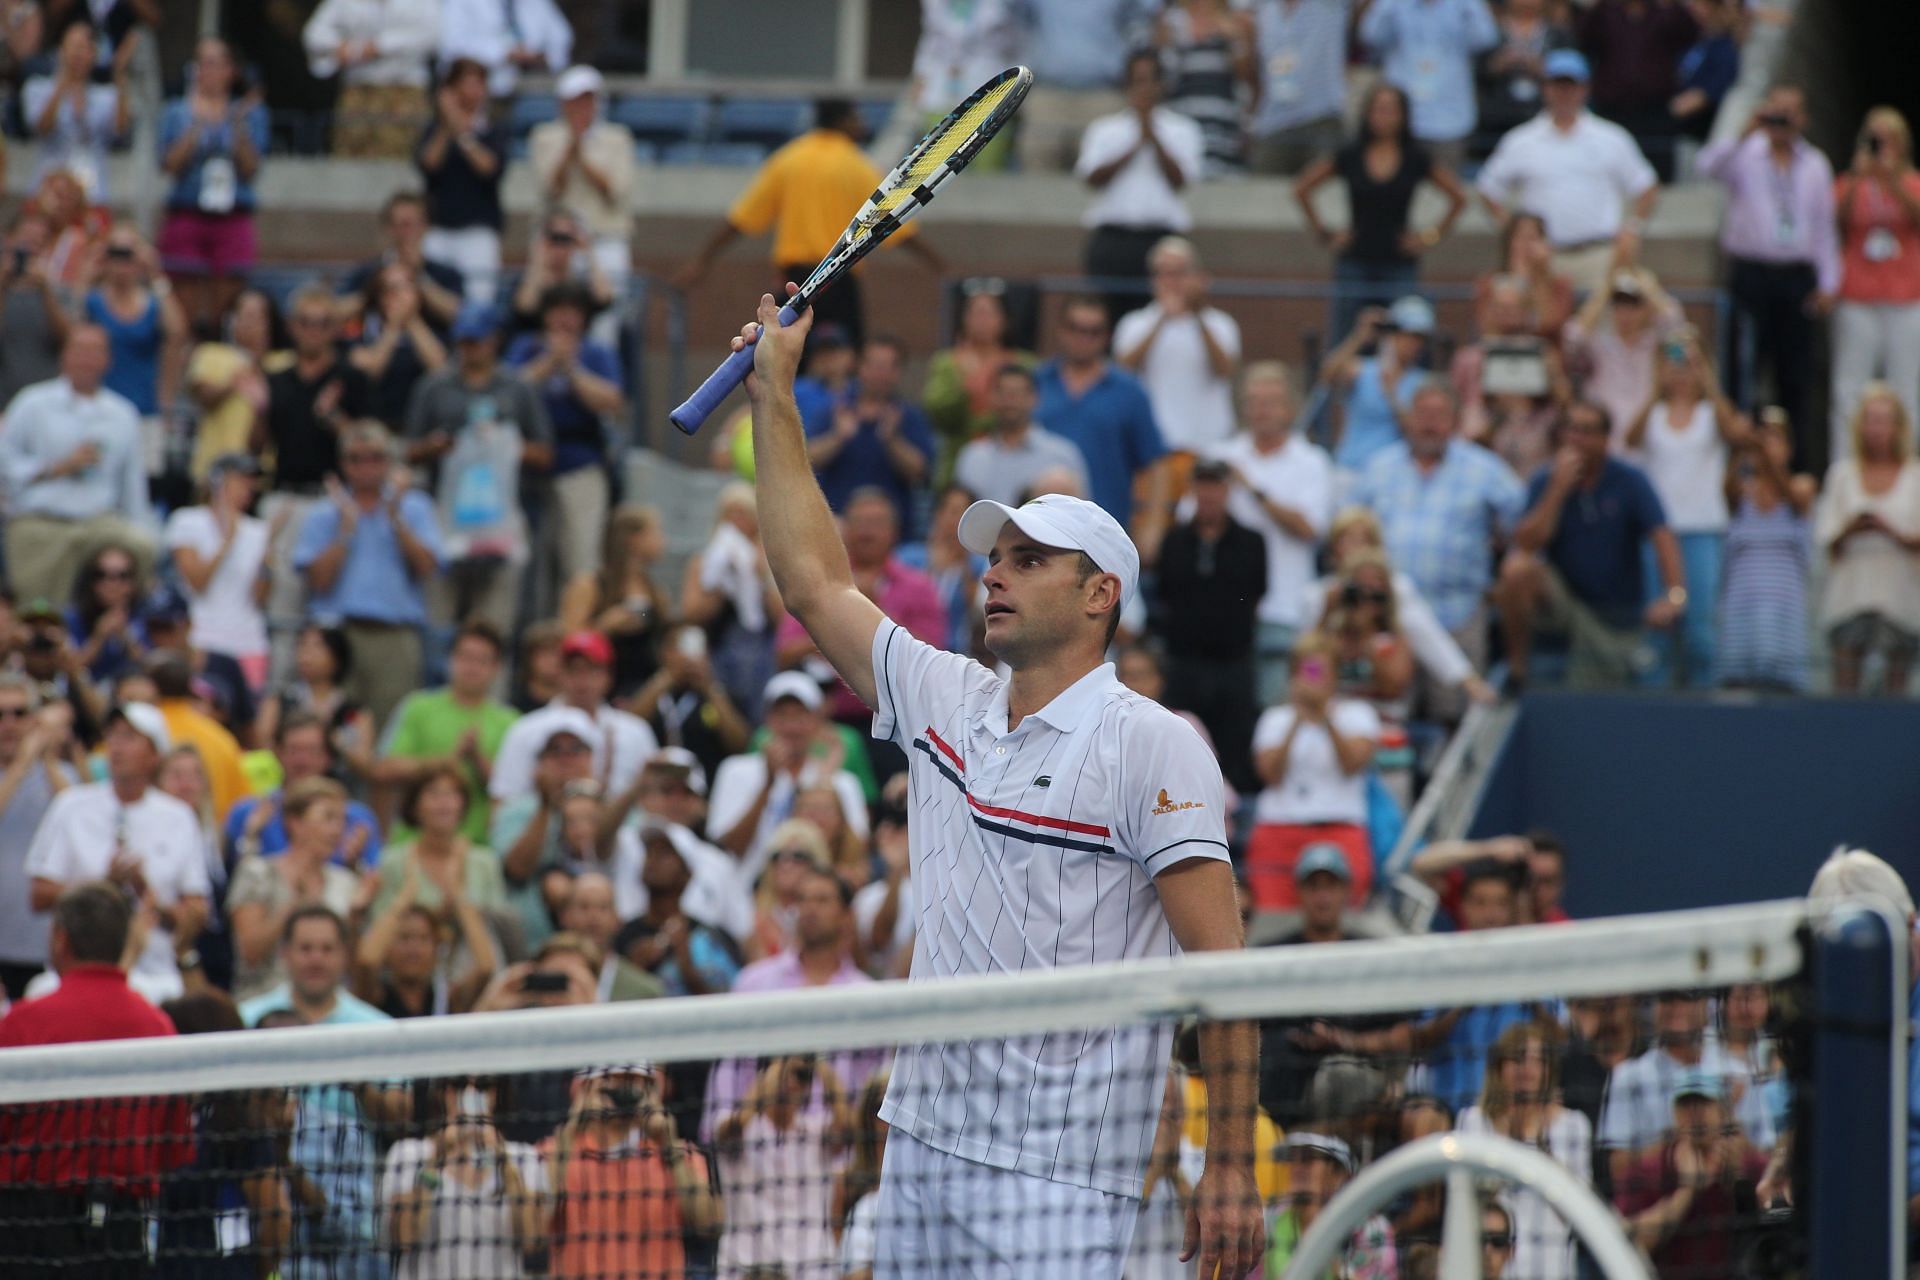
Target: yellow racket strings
(941, 149)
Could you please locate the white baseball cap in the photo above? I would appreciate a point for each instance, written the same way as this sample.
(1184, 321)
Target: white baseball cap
(145, 720)
(568, 720)
(577, 80)
(1057, 520)
(797, 685)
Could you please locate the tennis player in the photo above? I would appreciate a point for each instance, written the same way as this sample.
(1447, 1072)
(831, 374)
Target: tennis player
(1056, 819)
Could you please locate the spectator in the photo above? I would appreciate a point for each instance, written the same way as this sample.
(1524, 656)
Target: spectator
(1682, 1198)
(1576, 567)
(1636, 1115)
(873, 437)
(33, 319)
(257, 827)
(1075, 49)
(805, 193)
(1212, 77)
(32, 773)
(506, 39)
(211, 141)
(1377, 258)
(397, 347)
(323, 661)
(856, 1198)
(622, 740)
(1685, 433)
(462, 158)
(75, 118)
(1708, 69)
(585, 163)
(526, 828)
(1614, 346)
(1312, 753)
(103, 619)
(685, 704)
(1780, 239)
(1318, 1166)
(1445, 507)
(265, 892)
(1302, 47)
(1185, 352)
(1427, 49)
(590, 913)
(1214, 576)
(777, 1157)
(1876, 324)
(171, 673)
(448, 867)
(403, 219)
(627, 1190)
(689, 955)
(958, 393)
(401, 966)
(1512, 72)
(1102, 408)
(1378, 388)
(1374, 662)
(68, 1200)
(67, 498)
(728, 589)
(464, 1200)
(1138, 160)
(220, 553)
(1636, 47)
(226, 380)
(313, 954)
(379, 53)
(461, 724)
(962, 45)
(1526, 256)
(183, 775)
(622, 601)
(955, 571)
(1512, 385)
(49, 660)
(1582, 175)
(1868, 525)
(753, 793)
(558, 256)
(582, 387)
(1520, 1101)
(1004, 464)
(74, 229)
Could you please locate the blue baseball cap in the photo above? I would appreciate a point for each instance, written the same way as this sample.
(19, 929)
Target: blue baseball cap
(474, 321)
(1700, 1084)
(1330, 858)
(1567, 64)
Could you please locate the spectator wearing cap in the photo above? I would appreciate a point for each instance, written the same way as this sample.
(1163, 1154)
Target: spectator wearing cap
(172, 674)
(303, 748)
(368, 554)
(462, 724)
(1682, 1199)
(1576, 564)
(1004, 463)
(1213, 577)
(753, 793)
(1378, 388)
(221, 554)
(75, 471)
(1613, 344)
(622, 741)
(1138, 161)
(583, 388)
(1185, 352)
(1446, 506)
(145, 843)
(1318, 1166)
(873, 437)
(507, 37)
(686, 705)
(563, 745)
(379, 51)
(1302, 50)
(475, 429)
(585, 163)
(70, 1200)
(1582, 175)
(1782, 247)
(32, 771)
(1427, 49)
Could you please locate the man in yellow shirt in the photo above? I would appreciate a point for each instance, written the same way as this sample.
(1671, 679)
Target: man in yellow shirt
(187, 725)
(807, 192)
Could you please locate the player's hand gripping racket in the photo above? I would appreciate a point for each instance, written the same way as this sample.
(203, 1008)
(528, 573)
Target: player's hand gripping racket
(945, 151)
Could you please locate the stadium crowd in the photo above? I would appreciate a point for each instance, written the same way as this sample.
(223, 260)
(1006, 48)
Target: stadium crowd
(338, 684)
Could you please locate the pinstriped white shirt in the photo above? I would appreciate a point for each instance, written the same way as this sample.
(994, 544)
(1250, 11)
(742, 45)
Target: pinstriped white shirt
(1035, 848)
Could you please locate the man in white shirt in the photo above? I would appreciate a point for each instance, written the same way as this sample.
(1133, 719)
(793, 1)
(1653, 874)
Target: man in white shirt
(133, 836)
(671, 795)
(506, 37)
(625, 741)
(380, 51)
(585, 164)
(1137, 161)
(1184, 351)
(1057, 770)
(1583, 175)
(1007, 461)
(753, 793)
(76, 472)
(1283, 489)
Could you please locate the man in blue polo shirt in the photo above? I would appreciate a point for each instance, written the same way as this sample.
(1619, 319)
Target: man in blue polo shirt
(871, 437)
(1102, 408)
(1576, 564)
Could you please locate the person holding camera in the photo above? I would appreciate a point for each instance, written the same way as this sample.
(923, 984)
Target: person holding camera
(464, 1203)
(1876, 324)
(1512, 381)
(777, 1166)
(1376, 371)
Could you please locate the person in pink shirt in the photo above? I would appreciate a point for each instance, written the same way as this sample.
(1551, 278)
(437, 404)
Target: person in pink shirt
(1876, 326)
(779, 1155)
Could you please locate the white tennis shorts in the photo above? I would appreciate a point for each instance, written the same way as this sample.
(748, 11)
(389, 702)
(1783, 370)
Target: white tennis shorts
(944, 1218)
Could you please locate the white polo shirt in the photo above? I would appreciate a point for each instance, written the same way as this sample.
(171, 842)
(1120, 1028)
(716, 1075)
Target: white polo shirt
(1036, 849)
(76, 841)
(1192, 403)
(1579, 181)
(629, 738)
(1140, 195)
(1299, 476)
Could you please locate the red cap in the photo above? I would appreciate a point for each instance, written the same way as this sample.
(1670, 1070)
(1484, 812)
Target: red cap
(590, 645)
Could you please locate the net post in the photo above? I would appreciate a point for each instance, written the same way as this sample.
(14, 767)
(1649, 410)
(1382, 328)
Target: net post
(1460, 1233)
(1859, 1094)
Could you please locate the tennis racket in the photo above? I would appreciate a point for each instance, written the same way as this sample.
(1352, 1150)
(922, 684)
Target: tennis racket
(947, 149)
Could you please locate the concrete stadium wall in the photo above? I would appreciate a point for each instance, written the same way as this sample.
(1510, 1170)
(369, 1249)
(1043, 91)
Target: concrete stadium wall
(1670, 802)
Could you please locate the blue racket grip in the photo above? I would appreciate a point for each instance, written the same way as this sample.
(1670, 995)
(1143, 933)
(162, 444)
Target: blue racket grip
(733, 371)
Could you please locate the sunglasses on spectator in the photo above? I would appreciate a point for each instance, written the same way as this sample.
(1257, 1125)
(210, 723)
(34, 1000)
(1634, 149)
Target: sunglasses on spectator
(366, 456)
(113, 575)
(313, 321)
(1085, 330)
(1498, 1240)
(799, 855)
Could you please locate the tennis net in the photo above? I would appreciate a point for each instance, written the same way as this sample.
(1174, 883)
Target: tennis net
(1038, 1127)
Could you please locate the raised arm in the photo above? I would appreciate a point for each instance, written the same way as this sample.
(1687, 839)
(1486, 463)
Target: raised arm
(803, 545)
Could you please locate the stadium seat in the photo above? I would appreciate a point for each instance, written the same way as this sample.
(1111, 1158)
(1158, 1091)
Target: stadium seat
(735, 155)
(877, 112)
(770, 122)
(527, 111)
(663, 121)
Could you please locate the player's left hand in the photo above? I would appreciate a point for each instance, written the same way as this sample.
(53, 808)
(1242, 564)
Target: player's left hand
(1225, 1226)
